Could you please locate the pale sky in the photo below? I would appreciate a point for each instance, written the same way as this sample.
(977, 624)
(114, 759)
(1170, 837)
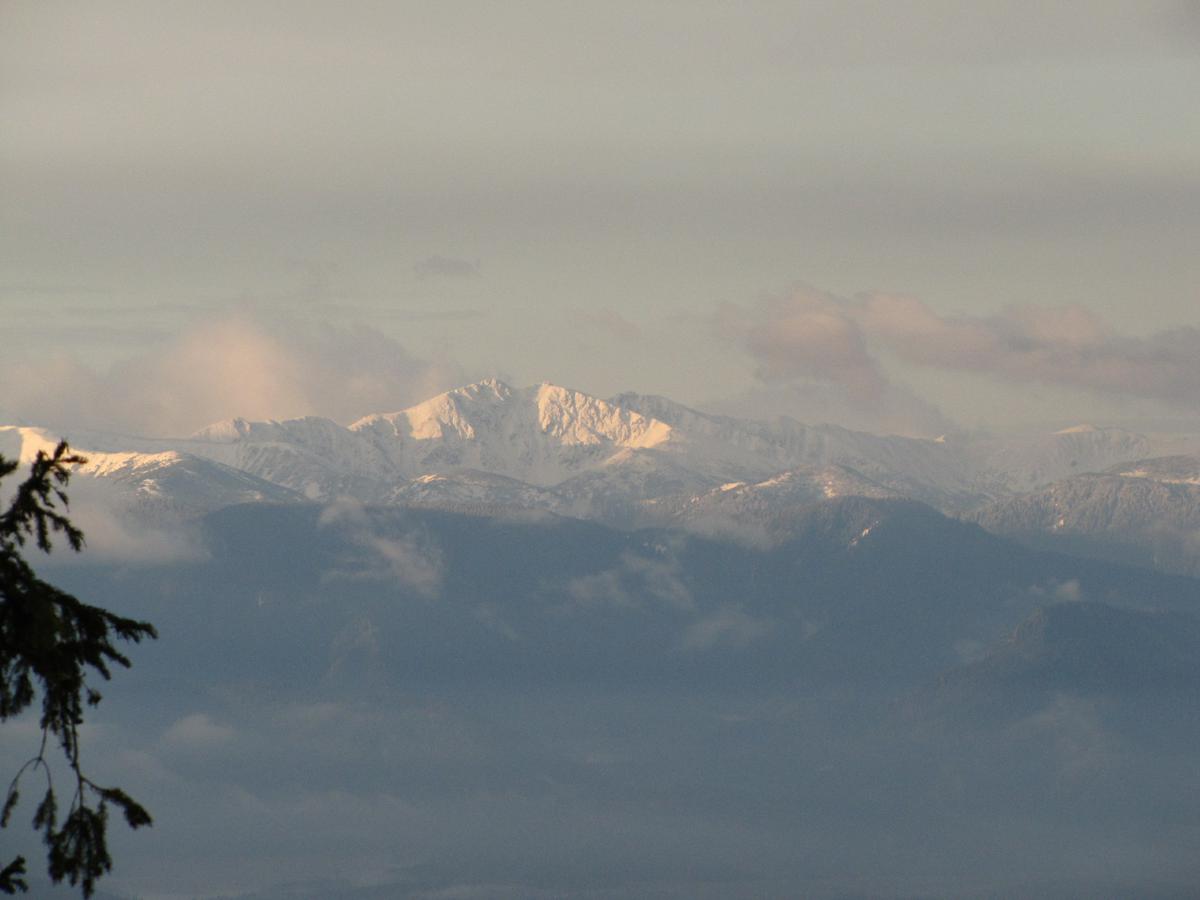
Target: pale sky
(904, 216)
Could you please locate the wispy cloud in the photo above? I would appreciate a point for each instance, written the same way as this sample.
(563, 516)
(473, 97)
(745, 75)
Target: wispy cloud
(197, 731)
(632, 583)
(116, 530)
(728, 625)
(410, 558)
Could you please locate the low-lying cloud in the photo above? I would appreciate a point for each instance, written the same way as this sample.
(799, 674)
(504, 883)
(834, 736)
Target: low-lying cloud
(409, 558)
(197, 731)
(635, 582)
(117, 530)
(728, 625)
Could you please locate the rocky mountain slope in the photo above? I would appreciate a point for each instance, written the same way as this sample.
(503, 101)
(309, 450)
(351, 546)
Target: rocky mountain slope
(1145, 512)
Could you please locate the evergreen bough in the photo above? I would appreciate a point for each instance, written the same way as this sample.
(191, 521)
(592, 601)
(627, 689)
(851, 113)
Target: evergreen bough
(50, 642)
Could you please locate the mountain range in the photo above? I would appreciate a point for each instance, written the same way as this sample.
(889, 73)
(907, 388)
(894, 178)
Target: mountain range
(639, 459)
(631, 457)
(880, 676)
(703, 656)
(1145, 512)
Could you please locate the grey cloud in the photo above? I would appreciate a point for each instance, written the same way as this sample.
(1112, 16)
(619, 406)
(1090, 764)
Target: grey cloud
(900, 410)
(812, 338)
(1068, 346)
(807, 334)
(446, 267)
(814, 362)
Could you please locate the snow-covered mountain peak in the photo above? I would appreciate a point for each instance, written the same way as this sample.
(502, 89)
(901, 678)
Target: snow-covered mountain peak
(541, 434)
(232, 431)
(465, 414)
(498, 387)
(682, 418)
(489, 390)
(156, 478)
(1026, 463)
(22, 443)
(447, 415)
(224, 432)
(551, 447)
(578, 418)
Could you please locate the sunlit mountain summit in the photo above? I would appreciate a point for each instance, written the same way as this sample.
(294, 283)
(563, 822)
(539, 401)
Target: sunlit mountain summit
(549, 448)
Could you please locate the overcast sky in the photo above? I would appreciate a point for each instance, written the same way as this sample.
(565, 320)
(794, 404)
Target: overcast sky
(906, 216)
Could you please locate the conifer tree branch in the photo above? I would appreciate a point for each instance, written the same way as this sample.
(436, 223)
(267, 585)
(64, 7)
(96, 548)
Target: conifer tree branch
(49, 642)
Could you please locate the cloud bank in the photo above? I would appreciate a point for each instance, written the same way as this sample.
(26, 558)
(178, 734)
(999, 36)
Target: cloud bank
(814, 362)
(813, 344)
(237, 365)
(1067, 346)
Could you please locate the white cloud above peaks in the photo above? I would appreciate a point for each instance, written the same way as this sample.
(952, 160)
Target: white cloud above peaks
(233, 365)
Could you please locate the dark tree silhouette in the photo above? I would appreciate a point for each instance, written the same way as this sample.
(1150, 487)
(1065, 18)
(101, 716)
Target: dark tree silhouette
(50, 642)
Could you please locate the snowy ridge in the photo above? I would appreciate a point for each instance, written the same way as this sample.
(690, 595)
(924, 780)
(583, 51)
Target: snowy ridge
(1026, 463)
(476, 489)
(551, 448)
(1147, 512)
(1164, 469)
(160, 481)
(766, 505)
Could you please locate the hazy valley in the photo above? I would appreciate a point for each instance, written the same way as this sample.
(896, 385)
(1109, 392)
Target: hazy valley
(674, 654)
